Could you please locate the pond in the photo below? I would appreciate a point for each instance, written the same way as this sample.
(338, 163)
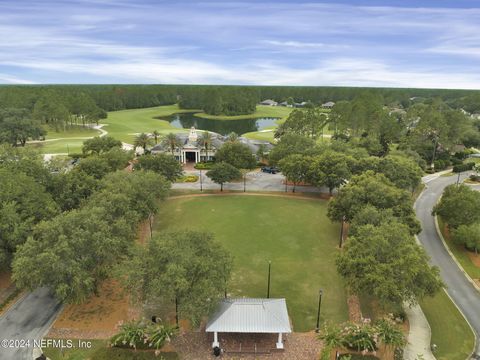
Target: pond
(223, 127)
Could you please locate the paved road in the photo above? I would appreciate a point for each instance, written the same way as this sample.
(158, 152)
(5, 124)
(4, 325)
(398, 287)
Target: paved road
(459, 288)
(29, 319)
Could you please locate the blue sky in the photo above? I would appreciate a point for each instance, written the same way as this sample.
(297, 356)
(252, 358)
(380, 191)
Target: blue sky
(340, 43)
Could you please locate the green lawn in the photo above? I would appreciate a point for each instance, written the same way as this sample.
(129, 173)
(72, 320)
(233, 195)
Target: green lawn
(294, 234)
(101, 351)
(69, 141)
(265, 135)
(450, 332)
(460, 253)
(261, 111)
(72, 132)
(61, 146)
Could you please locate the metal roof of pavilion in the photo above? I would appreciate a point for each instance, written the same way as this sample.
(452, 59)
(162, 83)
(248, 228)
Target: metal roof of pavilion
(250, 316)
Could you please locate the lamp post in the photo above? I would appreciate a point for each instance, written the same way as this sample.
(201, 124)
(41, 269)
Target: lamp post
(201, 184)
(320, 293)
(341, 232)
(225, 278)
(268, 284)
(244, 181)
(434, 151)
(458, 178)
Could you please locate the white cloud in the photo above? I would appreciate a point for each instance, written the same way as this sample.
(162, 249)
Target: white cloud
(282, 44)
(9, 79)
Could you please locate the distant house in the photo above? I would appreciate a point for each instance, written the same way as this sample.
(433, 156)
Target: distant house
(269, 102)
(475, 116)
(300, 105)
(192, 149)
(328, 105)
(398, 112)
(286, 104)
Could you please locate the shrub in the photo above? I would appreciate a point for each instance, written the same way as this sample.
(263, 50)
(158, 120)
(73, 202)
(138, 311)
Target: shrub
(359, 337)
(463, 167)
(440, 164)
(137, 334)
(188, 179)
(204, 165)
(158, 334)
(131, 334)
(456, 161)
(474, 177)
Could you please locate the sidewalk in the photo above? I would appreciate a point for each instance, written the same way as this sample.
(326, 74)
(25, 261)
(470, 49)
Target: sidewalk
(419, 335)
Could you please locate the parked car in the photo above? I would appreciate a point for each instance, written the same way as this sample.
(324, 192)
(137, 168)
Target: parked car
(270, 169)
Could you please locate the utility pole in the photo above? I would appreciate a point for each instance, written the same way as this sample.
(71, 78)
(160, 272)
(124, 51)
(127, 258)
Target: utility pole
(320, 293)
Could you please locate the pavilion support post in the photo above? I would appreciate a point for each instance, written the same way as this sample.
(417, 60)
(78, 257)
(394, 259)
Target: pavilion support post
(215, 340)
(279, 342)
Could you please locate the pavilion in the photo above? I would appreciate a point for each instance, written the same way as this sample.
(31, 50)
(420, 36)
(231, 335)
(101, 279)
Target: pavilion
(244, 315)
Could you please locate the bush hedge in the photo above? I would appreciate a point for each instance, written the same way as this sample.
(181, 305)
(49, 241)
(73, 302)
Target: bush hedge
(463, 167)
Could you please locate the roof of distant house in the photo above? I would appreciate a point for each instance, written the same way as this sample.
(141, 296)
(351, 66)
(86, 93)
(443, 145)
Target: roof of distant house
(329, 104)
(269, 102)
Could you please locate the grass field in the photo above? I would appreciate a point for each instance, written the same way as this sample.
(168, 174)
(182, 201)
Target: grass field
(69, 141)
(294, 234)
(101, 351)
(450, 331)
(264, 135)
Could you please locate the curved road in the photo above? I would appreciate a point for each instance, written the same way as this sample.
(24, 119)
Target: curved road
(459, 288)
(28, 319)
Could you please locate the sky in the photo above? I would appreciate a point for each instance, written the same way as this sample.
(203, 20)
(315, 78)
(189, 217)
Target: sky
(398, 43)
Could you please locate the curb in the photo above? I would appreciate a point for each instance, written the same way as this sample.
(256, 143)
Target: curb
(440, 235)
(470, 280)
(437, 228)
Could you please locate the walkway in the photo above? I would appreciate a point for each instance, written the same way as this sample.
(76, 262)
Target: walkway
(419, 335)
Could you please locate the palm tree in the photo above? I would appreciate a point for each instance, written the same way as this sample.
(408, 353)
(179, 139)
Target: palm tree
(232, 137)
(156, 134)
(172, 141)
(207, 142)
(142, 140)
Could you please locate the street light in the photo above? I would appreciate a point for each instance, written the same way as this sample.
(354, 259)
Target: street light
(341, 232)
(268, 284)
(320, 293)
(201, 184)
